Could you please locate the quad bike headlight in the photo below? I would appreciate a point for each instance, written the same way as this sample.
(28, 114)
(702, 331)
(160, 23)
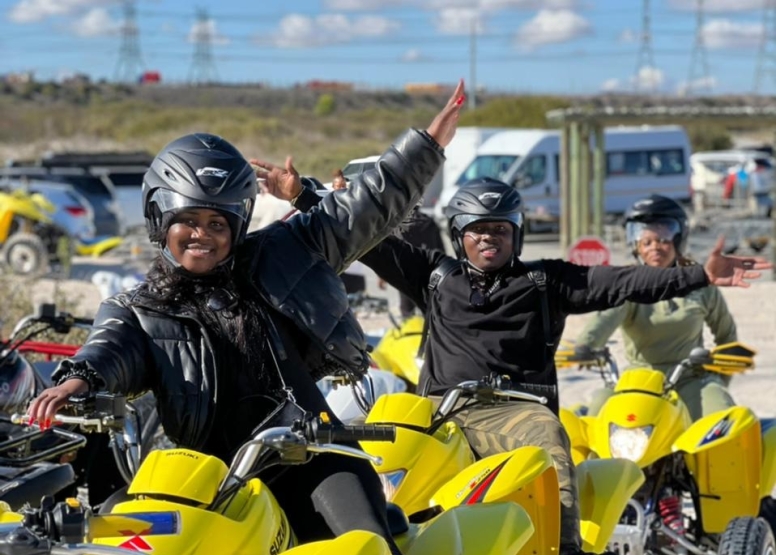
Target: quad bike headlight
(629, 443)
(391, 482)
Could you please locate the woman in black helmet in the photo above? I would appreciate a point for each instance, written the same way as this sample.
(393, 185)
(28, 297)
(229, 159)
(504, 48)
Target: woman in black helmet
(660, 335)
(229, 329)
(486, 314)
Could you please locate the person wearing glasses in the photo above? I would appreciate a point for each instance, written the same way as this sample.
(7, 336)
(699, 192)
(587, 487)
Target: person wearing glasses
(662, 334)
(488, 312)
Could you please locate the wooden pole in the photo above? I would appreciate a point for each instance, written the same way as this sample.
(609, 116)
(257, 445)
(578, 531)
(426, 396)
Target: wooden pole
(599, 178)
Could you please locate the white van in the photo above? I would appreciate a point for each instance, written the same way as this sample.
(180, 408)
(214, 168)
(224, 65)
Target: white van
(639, 161)
(458, 155)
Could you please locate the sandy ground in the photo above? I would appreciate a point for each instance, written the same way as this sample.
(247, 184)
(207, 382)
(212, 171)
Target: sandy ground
(754, 310)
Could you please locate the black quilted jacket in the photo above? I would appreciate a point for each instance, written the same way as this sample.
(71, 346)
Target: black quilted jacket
(134, 347)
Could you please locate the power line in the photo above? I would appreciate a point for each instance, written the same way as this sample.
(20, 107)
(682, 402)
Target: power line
(699, 78)
(130, 64)
(203, 70)
(645, 78)
(766, 57)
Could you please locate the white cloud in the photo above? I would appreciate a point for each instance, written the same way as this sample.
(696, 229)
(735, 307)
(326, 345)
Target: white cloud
(97, 22)
(719, 6)
(412, 55)
(552, 27)
(610, 85)
(206, 30)
(702, 84)
(496, 5)
(29, 11)
(628, 35)
(459, 21)
(648, 79)
(724, 33)
(301, 31)
(355, 5)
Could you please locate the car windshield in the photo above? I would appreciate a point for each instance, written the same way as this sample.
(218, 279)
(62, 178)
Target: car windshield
(491, 165)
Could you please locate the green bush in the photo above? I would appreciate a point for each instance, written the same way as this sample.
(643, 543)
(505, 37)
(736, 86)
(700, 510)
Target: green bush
(325, 105)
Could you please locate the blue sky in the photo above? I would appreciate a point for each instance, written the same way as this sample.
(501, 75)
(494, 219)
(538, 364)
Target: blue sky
(556, 46)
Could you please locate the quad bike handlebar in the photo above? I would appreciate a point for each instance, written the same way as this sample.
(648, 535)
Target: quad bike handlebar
(489, 390)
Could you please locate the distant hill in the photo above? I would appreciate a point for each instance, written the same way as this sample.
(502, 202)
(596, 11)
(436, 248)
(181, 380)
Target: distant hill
(323, 130)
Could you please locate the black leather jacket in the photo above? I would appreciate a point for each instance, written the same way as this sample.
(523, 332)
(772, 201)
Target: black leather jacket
(134, 347)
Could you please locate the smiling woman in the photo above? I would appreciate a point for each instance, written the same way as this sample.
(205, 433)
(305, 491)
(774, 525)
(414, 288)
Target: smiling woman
(199, 239)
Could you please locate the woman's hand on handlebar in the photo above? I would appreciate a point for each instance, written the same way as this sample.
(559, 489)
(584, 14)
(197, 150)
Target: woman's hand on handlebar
(45, 406)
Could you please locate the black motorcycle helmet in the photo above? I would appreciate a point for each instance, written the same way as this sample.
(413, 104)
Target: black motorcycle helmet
(199, 171)
(484, 199)
(17, 383)
(657, 210)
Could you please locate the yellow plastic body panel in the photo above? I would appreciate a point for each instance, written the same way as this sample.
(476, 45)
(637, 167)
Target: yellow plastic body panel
(724, 453)
(491, 529)
(605, 486)
(642, 379)
(180, 473)
(636, 409)
(428, 460)
(576, 428)
(258, 526)
(98, 249)
(397, 350)
(526, 476)
(769, 458)
(352, 543)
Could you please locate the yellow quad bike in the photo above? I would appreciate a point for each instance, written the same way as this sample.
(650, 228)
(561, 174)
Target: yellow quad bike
(187, 503)
(31, 241)
(706, 481)
(430, 468)
(397, 350)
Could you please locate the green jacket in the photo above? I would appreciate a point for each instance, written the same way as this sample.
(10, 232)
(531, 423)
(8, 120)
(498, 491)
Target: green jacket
(660, 335)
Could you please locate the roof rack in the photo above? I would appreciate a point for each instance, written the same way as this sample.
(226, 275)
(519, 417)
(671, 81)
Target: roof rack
(86, 160)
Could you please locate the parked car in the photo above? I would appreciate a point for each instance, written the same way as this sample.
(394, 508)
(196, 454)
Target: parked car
(111, 183)
(73, 213)
(714, 172)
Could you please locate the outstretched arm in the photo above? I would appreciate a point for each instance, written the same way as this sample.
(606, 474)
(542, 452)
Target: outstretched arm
(350, 222)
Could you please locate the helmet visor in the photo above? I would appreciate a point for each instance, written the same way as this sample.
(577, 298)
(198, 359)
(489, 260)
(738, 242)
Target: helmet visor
(462, 220)
(170, 201)
(662, 231)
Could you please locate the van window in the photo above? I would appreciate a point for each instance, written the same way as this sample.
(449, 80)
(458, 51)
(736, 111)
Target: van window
(532, 171)
(491, 165)
(666, 162)
(352, 169)
(642, 162)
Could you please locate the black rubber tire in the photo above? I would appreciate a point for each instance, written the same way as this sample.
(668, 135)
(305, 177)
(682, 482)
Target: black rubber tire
(747, 536)
(768, 512)
(25, 254)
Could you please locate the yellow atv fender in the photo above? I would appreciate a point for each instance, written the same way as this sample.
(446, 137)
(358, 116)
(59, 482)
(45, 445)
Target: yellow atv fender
(356, 543)
(526, 476)
(724, 452)
(419, 462)
(605, 486)
(769, 456)
(576, 428)
(490, 529)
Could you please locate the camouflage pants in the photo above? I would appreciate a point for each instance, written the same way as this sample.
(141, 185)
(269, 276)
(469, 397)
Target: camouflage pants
(493, 429)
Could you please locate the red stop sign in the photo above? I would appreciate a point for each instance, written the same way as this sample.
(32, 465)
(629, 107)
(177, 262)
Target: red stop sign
(589, 251)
